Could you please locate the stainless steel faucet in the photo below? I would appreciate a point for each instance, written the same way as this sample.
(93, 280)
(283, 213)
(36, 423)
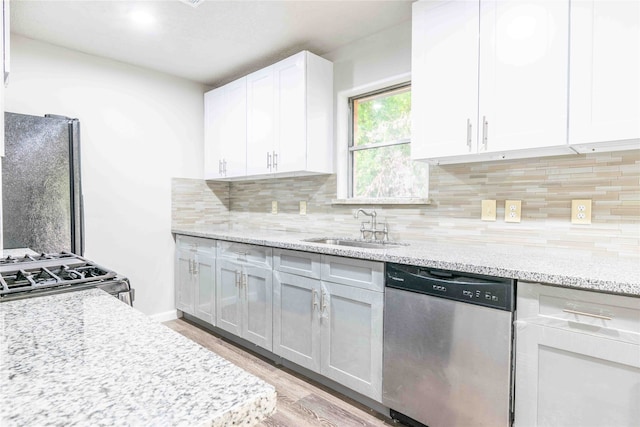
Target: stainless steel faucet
(373, 229)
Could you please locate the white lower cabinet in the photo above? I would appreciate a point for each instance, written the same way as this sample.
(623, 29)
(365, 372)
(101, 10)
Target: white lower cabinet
(184, 292)
(228, 296)
(296, 319)
(577, 359)
(331, 328)
(323, 313)
(244, 297)
(204, 278)
(351, 338)
(195, 277)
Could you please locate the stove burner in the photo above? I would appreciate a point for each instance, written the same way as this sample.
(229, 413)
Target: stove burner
(32, 272)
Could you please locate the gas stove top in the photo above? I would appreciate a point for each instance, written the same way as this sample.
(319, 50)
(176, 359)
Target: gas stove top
(34, 275)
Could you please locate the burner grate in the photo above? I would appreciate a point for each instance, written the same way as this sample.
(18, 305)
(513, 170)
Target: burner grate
(36, 272)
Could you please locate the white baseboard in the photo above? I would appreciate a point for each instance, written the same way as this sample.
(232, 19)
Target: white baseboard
(166, 316)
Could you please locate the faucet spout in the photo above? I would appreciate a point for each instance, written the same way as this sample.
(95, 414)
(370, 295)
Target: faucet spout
(371, 214)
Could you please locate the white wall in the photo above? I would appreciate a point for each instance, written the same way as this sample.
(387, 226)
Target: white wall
(372, 58)
(138, 129)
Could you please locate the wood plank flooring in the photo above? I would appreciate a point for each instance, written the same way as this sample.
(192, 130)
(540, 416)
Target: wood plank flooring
(301, 402)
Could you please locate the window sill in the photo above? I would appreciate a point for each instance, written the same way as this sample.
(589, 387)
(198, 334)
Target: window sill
(383, 201)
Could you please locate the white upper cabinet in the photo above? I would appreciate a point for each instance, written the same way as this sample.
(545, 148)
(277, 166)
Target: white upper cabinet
(489, 80)
(290, 128)
(444, 80)
(523, 75)
(260, 121)
(288, 121)
(225, 132)
(604, 94)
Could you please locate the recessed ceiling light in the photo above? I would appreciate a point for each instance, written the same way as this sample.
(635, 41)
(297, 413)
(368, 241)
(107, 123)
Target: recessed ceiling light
(142, 18)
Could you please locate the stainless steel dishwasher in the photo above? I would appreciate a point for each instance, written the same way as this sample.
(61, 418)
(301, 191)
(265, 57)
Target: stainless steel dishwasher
(448, 340)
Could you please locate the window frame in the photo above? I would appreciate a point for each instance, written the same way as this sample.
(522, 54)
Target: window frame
(352, 149)
(342, 144)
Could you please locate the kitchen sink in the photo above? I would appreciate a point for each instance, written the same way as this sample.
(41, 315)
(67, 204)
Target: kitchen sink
(367, 244)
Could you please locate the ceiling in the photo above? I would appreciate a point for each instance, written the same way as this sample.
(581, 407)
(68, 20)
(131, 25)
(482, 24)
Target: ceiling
(212, 43)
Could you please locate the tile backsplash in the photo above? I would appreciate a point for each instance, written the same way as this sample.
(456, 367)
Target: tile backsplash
(546, 187)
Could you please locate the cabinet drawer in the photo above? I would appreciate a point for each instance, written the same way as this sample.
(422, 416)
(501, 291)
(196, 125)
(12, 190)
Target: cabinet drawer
(190, 243)
(295, 262)
(248, 254)
(611, 316)
(355, 272)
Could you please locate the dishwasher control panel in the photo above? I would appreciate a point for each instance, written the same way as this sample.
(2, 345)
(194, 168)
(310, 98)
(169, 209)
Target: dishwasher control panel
(488, 291)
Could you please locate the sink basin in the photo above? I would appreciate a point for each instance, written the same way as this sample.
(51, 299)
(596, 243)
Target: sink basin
(367, 244)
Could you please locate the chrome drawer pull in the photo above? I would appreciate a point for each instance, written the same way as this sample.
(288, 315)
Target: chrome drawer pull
(582, 313)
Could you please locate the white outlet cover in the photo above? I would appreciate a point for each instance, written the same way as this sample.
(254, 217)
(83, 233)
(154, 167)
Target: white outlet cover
(512, 210)
(581, 211)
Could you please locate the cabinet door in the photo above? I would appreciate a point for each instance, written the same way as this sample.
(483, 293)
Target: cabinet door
(257, 307)
(214, 110)
(352, 338)
(233, 143)
(205, 274)
(570, 379)
(260, 121)
(605, 72)
(296, 321)
(228, 303)
(523, 74)
(184, 283)
(290, 114)
(444, 79)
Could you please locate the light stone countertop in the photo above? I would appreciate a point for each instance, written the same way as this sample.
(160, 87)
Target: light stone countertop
(558, 267)
(84, 358)
(18, 252)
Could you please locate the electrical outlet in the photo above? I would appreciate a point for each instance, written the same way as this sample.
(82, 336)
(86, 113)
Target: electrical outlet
(303, 207)
(512, 210)
(488, 210)
(581, 211)
(274, 207)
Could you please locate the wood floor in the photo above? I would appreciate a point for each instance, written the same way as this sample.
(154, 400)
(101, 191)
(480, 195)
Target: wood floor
(301, 402)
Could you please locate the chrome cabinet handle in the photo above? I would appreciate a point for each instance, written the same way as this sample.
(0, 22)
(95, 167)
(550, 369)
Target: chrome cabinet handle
(275, 160)
(485, 132)
(220, 167)
(582, 313)
(224, 167)
(190, 266)
(469, 133)
(243, 282)
(314, 299)
(268, 160)
(237, 281)
(323, 302)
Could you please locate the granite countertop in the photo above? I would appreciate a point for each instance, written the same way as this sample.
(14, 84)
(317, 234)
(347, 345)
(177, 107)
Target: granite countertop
(18, 252)
(85, 358)
(552, 266)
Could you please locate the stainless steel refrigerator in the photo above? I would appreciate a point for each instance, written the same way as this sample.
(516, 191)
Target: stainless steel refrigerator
(41, 188)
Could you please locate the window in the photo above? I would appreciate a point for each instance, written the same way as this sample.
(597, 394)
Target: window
(379, 162)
